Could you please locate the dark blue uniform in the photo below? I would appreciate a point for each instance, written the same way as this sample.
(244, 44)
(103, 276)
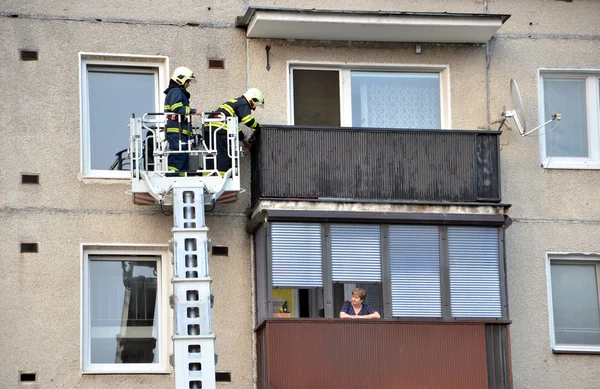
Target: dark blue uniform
(177, 101)
(235, 107)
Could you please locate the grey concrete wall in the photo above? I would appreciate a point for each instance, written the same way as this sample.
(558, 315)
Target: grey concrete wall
(553, 210)
(40, 293)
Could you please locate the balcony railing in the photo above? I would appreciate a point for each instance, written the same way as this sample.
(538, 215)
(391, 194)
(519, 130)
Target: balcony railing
(376, 164)
(333, 353)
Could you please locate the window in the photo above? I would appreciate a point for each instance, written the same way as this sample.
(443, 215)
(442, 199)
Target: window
(124, 316)
(112, 89)
(573, 290)
(408, 270)
(385, 97)
(574, 142)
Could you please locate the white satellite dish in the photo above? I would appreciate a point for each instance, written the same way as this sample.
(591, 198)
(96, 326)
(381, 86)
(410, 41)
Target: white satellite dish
(518, 112)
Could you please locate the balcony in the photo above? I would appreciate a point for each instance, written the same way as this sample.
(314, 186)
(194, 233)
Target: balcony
(330, 353)
(388, 165)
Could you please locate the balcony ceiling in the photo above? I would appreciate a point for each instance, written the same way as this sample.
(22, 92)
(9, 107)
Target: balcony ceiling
(378, 26)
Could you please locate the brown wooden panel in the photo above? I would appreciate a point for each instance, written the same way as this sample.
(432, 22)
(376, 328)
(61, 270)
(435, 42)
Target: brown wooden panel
(373, 354)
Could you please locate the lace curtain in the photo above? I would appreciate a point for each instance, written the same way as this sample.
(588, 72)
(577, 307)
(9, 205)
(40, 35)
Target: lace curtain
(396, 100)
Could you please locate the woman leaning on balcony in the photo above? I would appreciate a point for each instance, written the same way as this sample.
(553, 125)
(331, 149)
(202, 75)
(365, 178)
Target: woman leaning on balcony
(355, 309)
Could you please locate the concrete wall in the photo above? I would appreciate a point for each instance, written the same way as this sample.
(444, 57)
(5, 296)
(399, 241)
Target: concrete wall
(552, 210)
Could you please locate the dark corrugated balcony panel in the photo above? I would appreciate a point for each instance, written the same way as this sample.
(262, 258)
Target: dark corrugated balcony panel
(330, 353)
(376, 164)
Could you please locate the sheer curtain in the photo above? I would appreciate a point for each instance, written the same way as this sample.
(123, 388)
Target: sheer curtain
(396, 100)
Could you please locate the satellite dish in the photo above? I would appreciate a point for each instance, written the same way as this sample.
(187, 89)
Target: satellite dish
(518, 112)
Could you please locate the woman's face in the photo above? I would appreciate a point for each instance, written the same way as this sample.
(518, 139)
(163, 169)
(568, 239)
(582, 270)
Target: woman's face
(356, 300)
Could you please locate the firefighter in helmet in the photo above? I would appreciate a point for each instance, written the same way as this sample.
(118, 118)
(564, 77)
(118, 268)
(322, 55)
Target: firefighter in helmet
(178, 127)
(241, 107)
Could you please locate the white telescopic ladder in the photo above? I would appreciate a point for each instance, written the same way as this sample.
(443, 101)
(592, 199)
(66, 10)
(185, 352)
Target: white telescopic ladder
(194, 357)
(193, 340)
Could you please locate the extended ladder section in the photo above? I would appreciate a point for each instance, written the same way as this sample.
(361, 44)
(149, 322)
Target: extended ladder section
(188, 192)
(193, 340)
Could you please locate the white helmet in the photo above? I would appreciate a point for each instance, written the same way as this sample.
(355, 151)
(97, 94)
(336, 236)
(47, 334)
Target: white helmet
(183, 74)
(254, 96)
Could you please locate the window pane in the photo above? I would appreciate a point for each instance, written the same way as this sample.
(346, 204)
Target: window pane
(575, 304)
(316, 98)
(113, 97)
(570, 137)
(123, 311)
(396, 100)
(415, 271)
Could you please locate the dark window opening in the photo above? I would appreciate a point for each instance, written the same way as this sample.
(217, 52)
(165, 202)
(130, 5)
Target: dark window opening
(29, 247)
(27, 377)
(220, 250)
(223, 376)
(216, 64)
(30, 179)
(29, 55)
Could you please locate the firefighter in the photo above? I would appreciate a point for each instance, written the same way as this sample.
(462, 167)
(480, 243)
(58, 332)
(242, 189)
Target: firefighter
(179, 129)
(241, 107)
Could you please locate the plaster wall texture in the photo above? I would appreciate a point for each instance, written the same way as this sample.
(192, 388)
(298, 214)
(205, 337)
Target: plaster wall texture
(52, 112)
(466, 64)
(206, 13)
(536, 192)
(533, 363)
(534, 17)
(474, 6)
(41, 303)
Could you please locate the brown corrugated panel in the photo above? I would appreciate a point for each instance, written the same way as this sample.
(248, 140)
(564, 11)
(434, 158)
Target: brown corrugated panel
(373, 354)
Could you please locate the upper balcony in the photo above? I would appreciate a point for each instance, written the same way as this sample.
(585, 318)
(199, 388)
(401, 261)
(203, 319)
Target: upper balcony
(377, 165)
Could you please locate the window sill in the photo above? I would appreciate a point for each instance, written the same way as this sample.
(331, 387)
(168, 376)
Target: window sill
(102, 371)
(571, 164)
(576, 350)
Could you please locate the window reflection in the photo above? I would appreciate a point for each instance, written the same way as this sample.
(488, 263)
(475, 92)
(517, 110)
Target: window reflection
(123, 311)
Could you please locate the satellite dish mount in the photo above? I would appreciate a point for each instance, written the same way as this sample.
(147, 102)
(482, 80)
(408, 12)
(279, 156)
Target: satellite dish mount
(518, 113)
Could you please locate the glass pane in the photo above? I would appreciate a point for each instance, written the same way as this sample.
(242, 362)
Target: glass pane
(570, 137)
(575, 303)
(316, 98)
(113, 97)
(396, 100)
(123, 312)
(292, 302)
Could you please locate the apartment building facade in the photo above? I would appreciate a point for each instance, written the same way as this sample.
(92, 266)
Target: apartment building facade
(379, 164)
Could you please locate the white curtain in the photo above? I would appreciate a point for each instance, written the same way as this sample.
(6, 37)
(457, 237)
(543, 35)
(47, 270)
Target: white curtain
(396, 100)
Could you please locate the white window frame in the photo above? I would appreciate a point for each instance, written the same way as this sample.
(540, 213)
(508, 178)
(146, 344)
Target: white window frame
(592, 77)
(123, 61)
(345, 70)
(164, 313)
(567, 257)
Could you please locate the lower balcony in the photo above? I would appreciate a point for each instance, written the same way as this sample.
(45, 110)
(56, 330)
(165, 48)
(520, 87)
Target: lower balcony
(333, 353)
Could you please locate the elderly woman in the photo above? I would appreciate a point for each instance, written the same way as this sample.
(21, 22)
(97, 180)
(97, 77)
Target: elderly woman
(355, 309)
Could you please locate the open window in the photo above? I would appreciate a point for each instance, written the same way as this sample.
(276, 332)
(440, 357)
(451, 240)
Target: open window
(384, 97)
